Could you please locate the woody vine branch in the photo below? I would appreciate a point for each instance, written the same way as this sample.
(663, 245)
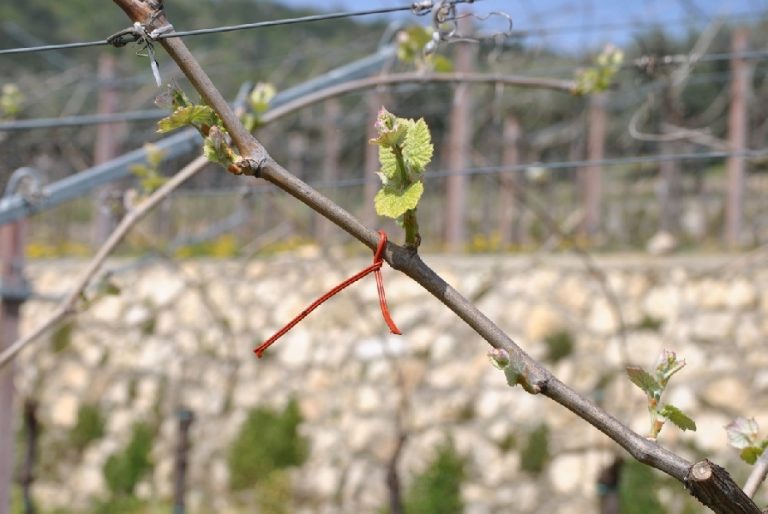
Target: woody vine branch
(721, 495)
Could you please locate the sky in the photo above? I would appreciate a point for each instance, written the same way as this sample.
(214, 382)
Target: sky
(581, 24)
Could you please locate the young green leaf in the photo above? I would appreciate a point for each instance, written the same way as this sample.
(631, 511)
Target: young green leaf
(216, 147)
(750, 454)
(388, 162)
(393, 204)
(742, 432)
(513, 373)
(678, 417)
(417, 147)
(390, 128)
(196, 115)
(643, 380)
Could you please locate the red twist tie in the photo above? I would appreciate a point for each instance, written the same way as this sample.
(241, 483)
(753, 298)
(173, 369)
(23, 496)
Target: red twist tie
(374, 268)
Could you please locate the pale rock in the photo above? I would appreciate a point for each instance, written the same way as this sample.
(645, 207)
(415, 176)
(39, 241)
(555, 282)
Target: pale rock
(573, 293)
(143, 490)
(662, 243)
(443, 348)
(541, 282)
(602, 317)
(683, 397)
(478, 506)
(710, 433)
(108, 309)
(492, 402)
(155, 353)
(191, 310)
(748, 333)
(137, 315)
(325, 440)
(372, 436)
(571, 474)
(120, 421)
(379, 371)
(694, 220)
(640, 348)
(502, 470)
(523, 495)
(369, 400)
(64, 410)
(476, 494)
(479, 453)
(500, 430)
(160, 287)
(413, 372)
(295, 348)
(709, 294)
(73, 376)
(325, 481)
(204, 401)
(713, 326)
(399, 289)
(358, 476)
(740, 294)
(375, 348)
(459, 373)
(542, 321)
(116, 394)
(92, 353)
(760, 382)
(728, 393)
(163, 477)
(663, 302)
(146, 395)
(89, 481)
(523, 405)
(219, 475)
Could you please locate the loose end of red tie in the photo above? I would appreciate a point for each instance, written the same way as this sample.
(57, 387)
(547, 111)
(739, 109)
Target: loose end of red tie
(375, 268)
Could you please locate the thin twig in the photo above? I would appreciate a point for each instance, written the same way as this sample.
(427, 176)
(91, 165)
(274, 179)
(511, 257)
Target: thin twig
(567, 86)
(68, 306)
(758, 475)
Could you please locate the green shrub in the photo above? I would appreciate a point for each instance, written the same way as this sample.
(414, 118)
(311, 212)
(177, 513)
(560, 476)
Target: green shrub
(268, 440)
(61, 338)
(650, 323)
(639, 492)
(89, 427)
(438, 489)
(275, 493)
(559, 345)
(123, 470)
(535, 454)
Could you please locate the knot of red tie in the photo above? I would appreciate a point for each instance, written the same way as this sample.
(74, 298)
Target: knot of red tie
(375, 268)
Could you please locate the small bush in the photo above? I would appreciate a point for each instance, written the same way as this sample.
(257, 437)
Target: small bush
(650, 323)
(61, 338)
(89, 427)
(123, 470)
(535, 454)
(438, 489)
(268, 441)
(559, 345)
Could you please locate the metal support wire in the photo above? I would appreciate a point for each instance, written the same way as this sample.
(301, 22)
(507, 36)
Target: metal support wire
(178, 144)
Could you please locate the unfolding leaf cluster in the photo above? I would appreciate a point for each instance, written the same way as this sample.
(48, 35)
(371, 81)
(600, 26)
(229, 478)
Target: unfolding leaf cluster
(405, 150)
(743, 435)
(653, 385)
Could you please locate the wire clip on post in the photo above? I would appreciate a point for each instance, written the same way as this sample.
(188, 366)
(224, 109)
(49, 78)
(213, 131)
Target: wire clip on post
(140, 33)
(374, 268)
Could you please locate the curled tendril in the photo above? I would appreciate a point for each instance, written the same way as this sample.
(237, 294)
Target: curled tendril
(445, 26)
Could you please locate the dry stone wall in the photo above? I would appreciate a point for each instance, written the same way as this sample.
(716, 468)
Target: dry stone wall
(182, 334)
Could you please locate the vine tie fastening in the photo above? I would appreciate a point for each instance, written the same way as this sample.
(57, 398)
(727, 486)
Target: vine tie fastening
(375, 268)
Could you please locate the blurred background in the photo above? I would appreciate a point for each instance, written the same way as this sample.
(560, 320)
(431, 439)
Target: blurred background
(599, 228)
